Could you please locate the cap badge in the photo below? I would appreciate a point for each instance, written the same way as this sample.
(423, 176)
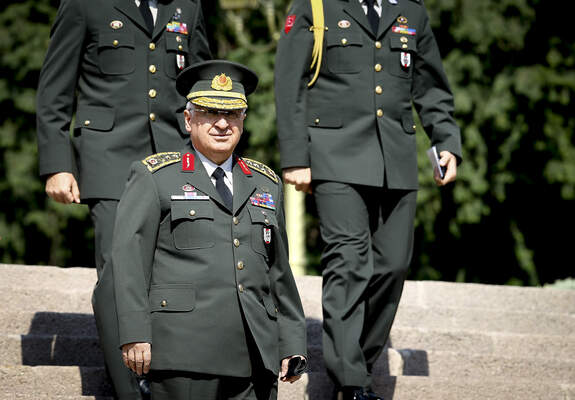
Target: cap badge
(222, 82)
(116, 24)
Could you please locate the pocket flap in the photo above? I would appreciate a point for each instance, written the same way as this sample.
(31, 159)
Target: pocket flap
(324, 119)
(191, 209)
(172, 297)
(408, 123)
(344, 39)
(96, 118)
(270, 306)
(116, 39)
(176, 42)
(260, 215)
(403, 43)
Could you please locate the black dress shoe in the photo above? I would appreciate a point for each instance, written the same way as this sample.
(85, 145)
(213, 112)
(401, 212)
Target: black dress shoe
(372, 396)
(353, 393)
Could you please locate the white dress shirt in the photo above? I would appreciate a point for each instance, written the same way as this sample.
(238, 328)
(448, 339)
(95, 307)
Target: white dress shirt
(211, 167)
(153, 7)
(376, 6)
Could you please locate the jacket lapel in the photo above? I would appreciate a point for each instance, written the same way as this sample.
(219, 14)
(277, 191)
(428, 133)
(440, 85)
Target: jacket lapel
(200, 179)
(244, 186)
(166, 9)
(353, 9)
(130, 10)
(389, 13)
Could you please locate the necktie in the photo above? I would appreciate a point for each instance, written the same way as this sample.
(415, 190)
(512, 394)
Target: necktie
(372, 16)
(222, 189)
(147, 14)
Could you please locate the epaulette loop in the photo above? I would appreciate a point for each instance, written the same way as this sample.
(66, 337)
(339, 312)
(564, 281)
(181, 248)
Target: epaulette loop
(261, 168)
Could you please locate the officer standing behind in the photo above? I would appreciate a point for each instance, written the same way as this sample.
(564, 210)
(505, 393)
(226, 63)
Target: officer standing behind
(113, 64)
(346, 130)
(204, 290)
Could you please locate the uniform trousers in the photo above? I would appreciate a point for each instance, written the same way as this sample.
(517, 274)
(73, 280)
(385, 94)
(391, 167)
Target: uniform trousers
(103, 214)
(368, 233)
(179, 385)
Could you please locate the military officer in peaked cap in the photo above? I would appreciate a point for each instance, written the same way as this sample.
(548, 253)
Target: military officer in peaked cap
(347, 133)
(205, 296)
(111, 70)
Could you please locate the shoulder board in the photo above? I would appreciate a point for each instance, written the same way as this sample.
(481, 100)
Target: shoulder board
(262, 169)
(160, 160)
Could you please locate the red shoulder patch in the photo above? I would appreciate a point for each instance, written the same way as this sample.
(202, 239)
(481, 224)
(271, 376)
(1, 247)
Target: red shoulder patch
(290, 20)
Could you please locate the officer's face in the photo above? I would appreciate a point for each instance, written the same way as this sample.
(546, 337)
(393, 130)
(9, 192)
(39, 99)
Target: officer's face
(215, 133)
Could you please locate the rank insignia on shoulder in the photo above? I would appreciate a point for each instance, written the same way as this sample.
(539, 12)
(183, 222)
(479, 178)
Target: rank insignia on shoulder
(261, 168)
(160, 160)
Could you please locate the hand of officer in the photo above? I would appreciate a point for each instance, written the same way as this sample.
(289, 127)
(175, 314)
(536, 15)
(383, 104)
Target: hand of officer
(63, 188)
(447, 160)
(137, 357)
(284, 370)
(300, 177)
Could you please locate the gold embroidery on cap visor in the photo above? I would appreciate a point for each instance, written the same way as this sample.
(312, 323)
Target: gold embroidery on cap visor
(222, 82)
(220, 103)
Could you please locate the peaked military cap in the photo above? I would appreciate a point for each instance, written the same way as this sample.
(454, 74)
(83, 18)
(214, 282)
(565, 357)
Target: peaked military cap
(217, 84)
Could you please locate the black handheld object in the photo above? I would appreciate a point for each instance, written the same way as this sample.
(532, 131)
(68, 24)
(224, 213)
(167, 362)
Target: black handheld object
(296, 366)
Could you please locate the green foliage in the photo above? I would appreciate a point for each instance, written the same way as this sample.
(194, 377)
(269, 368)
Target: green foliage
(33, 230)
(511, 67)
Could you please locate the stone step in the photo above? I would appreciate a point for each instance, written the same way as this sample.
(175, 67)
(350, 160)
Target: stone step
(67, 383)
(77, 344)
(38, 280)
(48, 332)
(444, 364)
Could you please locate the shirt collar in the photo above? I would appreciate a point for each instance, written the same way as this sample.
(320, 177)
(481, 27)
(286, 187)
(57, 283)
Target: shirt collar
(377, 3)
(211, 166)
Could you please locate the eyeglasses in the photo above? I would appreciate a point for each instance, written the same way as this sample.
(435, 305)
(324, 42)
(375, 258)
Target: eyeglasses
(232, 115)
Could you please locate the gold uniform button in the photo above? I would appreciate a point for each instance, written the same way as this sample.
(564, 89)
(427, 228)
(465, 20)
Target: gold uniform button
(178, 39)
(378, 45)
(404, 39)
(164, 303)
(404, 46)
(236, 243)
(379, 112)
(180, 47)
(152, 69)
(192, 212)
(344, 41)
(377, 67)
(152, 93)
(414, 127)
(115, 43)
(378, 89)
(152, 117)
(87, 122)
(235, 220)
(267, 221)
(316, 121)
(152, 46)
(241, 288)
(240, 265)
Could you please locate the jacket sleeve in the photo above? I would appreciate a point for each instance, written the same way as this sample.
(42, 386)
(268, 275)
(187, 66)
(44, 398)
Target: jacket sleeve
(57, 86)
(432, 95)
(199, 45)
(135, 235)
(292, 74)
(291, 319)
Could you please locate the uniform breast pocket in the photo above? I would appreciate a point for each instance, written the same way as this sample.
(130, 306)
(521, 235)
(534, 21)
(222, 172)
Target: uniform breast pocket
(116, 53)
(403, 50)
(177, 57)
(192, 224)
(264, 226)
(344, 52)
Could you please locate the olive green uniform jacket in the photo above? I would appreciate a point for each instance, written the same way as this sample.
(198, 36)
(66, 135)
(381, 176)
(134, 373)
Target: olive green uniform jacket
(118, 80)
(190, 275)
(355, 124)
